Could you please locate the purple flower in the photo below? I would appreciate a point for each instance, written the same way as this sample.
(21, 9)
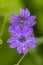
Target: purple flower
(23, 18)
(21, 38)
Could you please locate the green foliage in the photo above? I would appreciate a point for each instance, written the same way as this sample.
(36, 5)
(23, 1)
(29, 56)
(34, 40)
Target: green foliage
(10, 6)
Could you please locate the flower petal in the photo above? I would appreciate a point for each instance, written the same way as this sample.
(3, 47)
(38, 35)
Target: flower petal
(15, 30)
(12, 31)
(11, 40)
(14, 19)
(31, 21)
(25, 28)
(27, 31)
(32, 45)
(13, 45)
(22, 13)
(27, 13)
(19, 49)
(33, 39)
(31, 18)
(32, 42)
(24, 49)
(15, 16)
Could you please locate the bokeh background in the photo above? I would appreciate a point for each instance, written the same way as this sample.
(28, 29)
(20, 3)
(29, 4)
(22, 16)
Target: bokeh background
(10, 56)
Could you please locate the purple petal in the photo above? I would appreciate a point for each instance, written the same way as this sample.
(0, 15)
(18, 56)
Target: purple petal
(19, 49)
(13, 45)
(25, 28)
(31, 21)
(15, 30)
(12, 31)
(32, 42)
(22, 13)
(31, 45)
(15, 16)
(27, 31)
(14, 19)
(31, 18)
(25, 49)
(33, 39)
(27, 13)
(11, 40)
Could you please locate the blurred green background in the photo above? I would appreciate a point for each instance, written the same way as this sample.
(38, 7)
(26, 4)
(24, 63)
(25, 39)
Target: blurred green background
(10, 56)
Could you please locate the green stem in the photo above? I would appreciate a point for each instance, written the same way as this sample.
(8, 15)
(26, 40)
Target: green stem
(3, 28)
(21, 59)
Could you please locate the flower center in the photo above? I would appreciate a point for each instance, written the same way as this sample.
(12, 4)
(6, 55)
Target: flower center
(22, 39)
(21, 21)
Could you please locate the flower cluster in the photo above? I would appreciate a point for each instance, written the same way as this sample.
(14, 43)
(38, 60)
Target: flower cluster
(21, 30)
